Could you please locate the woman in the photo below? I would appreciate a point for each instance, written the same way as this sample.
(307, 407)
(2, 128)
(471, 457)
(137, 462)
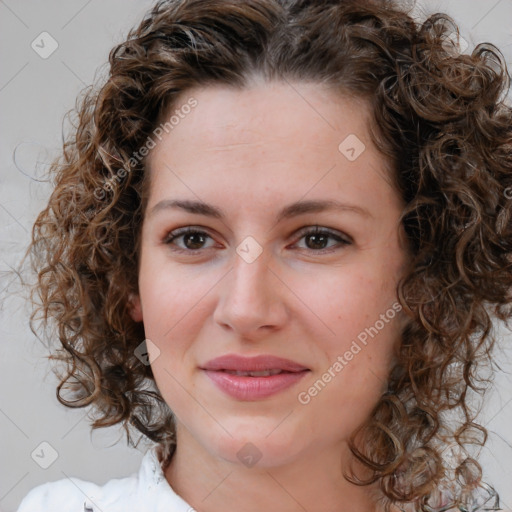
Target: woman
(275, 248)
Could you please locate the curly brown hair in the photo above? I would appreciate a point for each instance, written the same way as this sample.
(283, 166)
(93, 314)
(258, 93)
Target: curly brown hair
(438, 114)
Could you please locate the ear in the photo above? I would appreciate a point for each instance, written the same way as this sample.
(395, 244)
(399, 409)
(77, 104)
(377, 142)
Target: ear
(135, 307)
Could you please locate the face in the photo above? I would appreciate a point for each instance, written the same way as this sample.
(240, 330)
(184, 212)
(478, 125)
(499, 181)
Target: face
(270, 256)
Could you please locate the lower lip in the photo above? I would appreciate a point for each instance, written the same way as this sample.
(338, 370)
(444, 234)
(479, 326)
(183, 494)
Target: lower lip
(253, 388)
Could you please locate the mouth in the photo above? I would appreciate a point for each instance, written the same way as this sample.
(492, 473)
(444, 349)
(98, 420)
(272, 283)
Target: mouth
(263, 373)
(256, 364)
(253, 378)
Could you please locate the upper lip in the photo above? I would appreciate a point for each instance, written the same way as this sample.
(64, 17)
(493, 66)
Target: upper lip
(260, 363)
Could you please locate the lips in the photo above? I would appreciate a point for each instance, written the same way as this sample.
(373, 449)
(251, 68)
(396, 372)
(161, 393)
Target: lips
(253, 378)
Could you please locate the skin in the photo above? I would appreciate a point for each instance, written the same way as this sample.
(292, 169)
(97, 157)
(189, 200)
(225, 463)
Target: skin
(249, 153)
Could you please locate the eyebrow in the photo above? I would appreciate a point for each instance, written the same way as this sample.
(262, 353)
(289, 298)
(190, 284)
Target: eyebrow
(292, 210)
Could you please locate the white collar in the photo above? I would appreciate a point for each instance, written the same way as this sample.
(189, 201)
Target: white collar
(146, 490)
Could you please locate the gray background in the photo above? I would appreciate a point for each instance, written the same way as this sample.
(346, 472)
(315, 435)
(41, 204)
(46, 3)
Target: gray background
(35, 93)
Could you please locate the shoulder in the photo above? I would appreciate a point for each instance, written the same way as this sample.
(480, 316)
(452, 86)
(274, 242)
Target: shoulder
(146, 490)
(76, 495)
(70, 494)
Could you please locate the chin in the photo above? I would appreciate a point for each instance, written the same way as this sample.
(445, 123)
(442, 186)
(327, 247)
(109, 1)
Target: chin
(261, 442)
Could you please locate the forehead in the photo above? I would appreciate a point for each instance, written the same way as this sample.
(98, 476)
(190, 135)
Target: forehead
(283, 137)
(267, 113)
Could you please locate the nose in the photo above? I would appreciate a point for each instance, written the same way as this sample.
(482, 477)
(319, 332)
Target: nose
(252, 302)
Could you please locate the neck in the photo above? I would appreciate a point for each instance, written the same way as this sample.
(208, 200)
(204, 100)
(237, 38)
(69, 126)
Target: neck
(313, 482)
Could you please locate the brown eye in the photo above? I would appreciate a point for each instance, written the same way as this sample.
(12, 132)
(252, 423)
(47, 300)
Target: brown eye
(187, 239)
(317, 239)
(194, 240)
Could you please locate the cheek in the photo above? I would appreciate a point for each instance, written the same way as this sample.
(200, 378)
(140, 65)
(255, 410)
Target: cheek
(351, 303)
(343, 390)
(171, 297)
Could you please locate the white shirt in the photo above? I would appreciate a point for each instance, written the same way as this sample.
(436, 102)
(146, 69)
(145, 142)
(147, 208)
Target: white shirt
(147, 490)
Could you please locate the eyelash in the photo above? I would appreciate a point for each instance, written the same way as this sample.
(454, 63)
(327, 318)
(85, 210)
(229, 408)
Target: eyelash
(308, 231)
